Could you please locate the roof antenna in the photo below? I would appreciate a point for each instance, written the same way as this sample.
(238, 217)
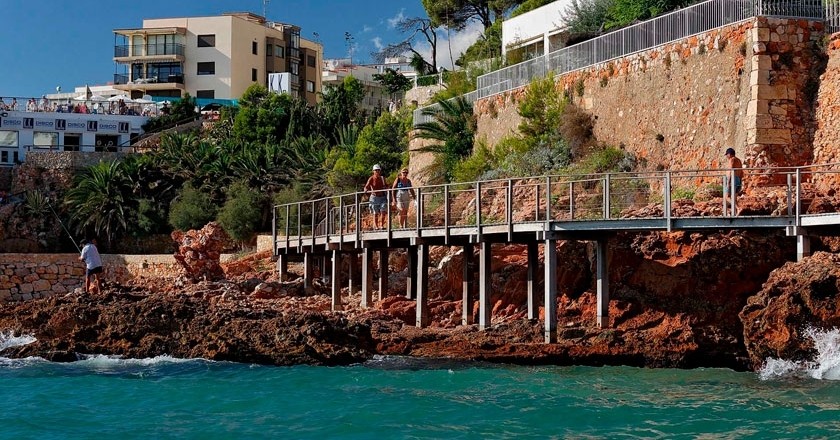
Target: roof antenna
(265, 8)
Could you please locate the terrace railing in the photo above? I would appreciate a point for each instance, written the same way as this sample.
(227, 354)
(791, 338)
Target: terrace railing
(588, 202)
(699, 18)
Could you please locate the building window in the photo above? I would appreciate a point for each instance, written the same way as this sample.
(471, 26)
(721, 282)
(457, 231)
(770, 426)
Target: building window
(268, 50)
(310, 60)
(294, 68)
(208, 68)
(207, 40)
(310, 86)
(43, 139)
(278, 51)
(8, 138)
(254, 75)
(205, 94)
(254, 47)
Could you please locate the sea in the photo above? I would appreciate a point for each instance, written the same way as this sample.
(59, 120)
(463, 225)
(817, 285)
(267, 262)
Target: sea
(103, 397)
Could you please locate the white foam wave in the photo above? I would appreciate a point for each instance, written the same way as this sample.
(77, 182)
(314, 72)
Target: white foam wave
(9, 340)
(824, 366)
(105, 362)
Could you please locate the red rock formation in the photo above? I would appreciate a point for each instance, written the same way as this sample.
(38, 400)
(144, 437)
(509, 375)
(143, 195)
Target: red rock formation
(795, 297)
(199, 251)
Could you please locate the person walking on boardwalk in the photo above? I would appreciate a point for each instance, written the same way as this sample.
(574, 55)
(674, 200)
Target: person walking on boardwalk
(404, 195)
(735, 175)
(93, 264)
(377, 187)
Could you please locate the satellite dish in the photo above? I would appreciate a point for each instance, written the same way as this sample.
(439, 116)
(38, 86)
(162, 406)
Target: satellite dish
(58, 89)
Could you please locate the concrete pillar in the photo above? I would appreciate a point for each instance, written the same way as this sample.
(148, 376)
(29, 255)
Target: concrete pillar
(603, 283)
(282, 267)
(367, 277)
(803, 247)
(353, 272)
(411, 279)
(533, 262)
(484, 306)
(336, 280)
(422, 285)
(550, 281)
(383, 273)
(307, 270)
(468, 283)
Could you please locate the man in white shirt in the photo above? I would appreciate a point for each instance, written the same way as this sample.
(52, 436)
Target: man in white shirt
(93, 264)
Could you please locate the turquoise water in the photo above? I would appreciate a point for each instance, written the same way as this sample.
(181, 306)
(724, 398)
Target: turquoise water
(101, 397)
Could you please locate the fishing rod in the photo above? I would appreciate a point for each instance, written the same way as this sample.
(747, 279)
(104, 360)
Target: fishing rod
(62, 225)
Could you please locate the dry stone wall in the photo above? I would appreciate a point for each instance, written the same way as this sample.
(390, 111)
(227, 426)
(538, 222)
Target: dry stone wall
(826, 148)
(678, 106)
(28, 276)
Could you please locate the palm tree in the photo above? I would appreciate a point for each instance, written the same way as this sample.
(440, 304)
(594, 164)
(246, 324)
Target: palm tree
(452, 130)
(101, 201)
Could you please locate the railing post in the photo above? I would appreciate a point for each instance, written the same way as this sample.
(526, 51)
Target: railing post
(341, 219)
(509, 209)
(667, 198)
(571, 200)
(789, 194)
(537, 204)
(274, 231)
(798, 196)
(547, 198)
(478, 209)
(446, 214)
(358, 214)
(606, 196)
(312, 225)
(288, 208)
(419, 219)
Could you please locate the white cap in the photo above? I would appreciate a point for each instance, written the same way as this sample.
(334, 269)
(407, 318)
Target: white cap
(377, 167)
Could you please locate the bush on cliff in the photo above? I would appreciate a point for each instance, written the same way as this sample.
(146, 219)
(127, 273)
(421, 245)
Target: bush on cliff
(192, 209)
(241, 214)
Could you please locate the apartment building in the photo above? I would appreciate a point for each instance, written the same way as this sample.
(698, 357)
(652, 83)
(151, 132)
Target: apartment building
(336, 70)
(537, 32)
(214, 57)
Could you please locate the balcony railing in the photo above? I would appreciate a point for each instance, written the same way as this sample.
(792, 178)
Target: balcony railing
(120, 78)
(674, 26)
(148, 50)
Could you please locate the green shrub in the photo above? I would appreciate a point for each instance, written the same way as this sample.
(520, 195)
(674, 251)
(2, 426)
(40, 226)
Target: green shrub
(682, 193)
(240, 216)
(474, 166)
(192, 209)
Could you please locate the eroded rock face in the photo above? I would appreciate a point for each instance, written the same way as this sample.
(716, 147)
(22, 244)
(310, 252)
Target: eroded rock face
(795, 297)
(199, 251)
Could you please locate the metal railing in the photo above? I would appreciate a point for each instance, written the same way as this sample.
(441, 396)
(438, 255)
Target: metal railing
(676, 25)
(474, 206)
(148, 50)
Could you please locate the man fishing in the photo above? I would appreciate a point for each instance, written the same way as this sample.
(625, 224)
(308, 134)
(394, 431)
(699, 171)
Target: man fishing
(93, 264)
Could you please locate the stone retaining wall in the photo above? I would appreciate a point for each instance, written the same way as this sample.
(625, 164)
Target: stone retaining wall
(678, 106)
(28, 276)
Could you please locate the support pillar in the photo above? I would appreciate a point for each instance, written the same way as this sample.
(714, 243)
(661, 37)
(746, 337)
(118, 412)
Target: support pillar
(307, 270)
(603, 283)
(367, 277)
(282, 267)
(550, 281)
(353, 272)
(411, 279)
(484, 306)
(468, 283)
(383, 273)
(422, 285)
(533, 261)
(803, 247)
(336, 280)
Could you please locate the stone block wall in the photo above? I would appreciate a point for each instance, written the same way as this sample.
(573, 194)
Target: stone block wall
(28, 276)
(678, 106)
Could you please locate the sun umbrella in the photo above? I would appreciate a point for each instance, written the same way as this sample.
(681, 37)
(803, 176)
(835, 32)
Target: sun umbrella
(124, 98)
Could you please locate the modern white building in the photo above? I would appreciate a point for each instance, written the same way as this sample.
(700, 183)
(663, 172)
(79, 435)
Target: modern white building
(535, 32)
(23, 132)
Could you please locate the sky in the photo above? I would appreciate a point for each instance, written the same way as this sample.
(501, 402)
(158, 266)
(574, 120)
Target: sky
(70, 43)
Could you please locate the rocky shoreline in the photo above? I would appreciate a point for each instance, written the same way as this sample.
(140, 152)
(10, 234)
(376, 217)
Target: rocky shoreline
(679, 300)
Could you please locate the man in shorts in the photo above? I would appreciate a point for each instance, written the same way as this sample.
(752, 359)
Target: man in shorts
(377, 187)
(93, 264)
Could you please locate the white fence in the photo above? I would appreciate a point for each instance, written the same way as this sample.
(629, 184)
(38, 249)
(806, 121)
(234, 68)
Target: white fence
(693, 20)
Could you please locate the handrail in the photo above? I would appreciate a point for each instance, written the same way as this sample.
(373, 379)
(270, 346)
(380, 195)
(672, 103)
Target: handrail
(599, 197)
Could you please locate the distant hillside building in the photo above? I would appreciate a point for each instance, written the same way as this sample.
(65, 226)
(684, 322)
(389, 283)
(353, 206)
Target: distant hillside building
(336, 70)
(535, 33)
(214, 57)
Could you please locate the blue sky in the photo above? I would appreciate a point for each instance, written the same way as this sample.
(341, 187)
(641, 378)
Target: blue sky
(69, 43)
